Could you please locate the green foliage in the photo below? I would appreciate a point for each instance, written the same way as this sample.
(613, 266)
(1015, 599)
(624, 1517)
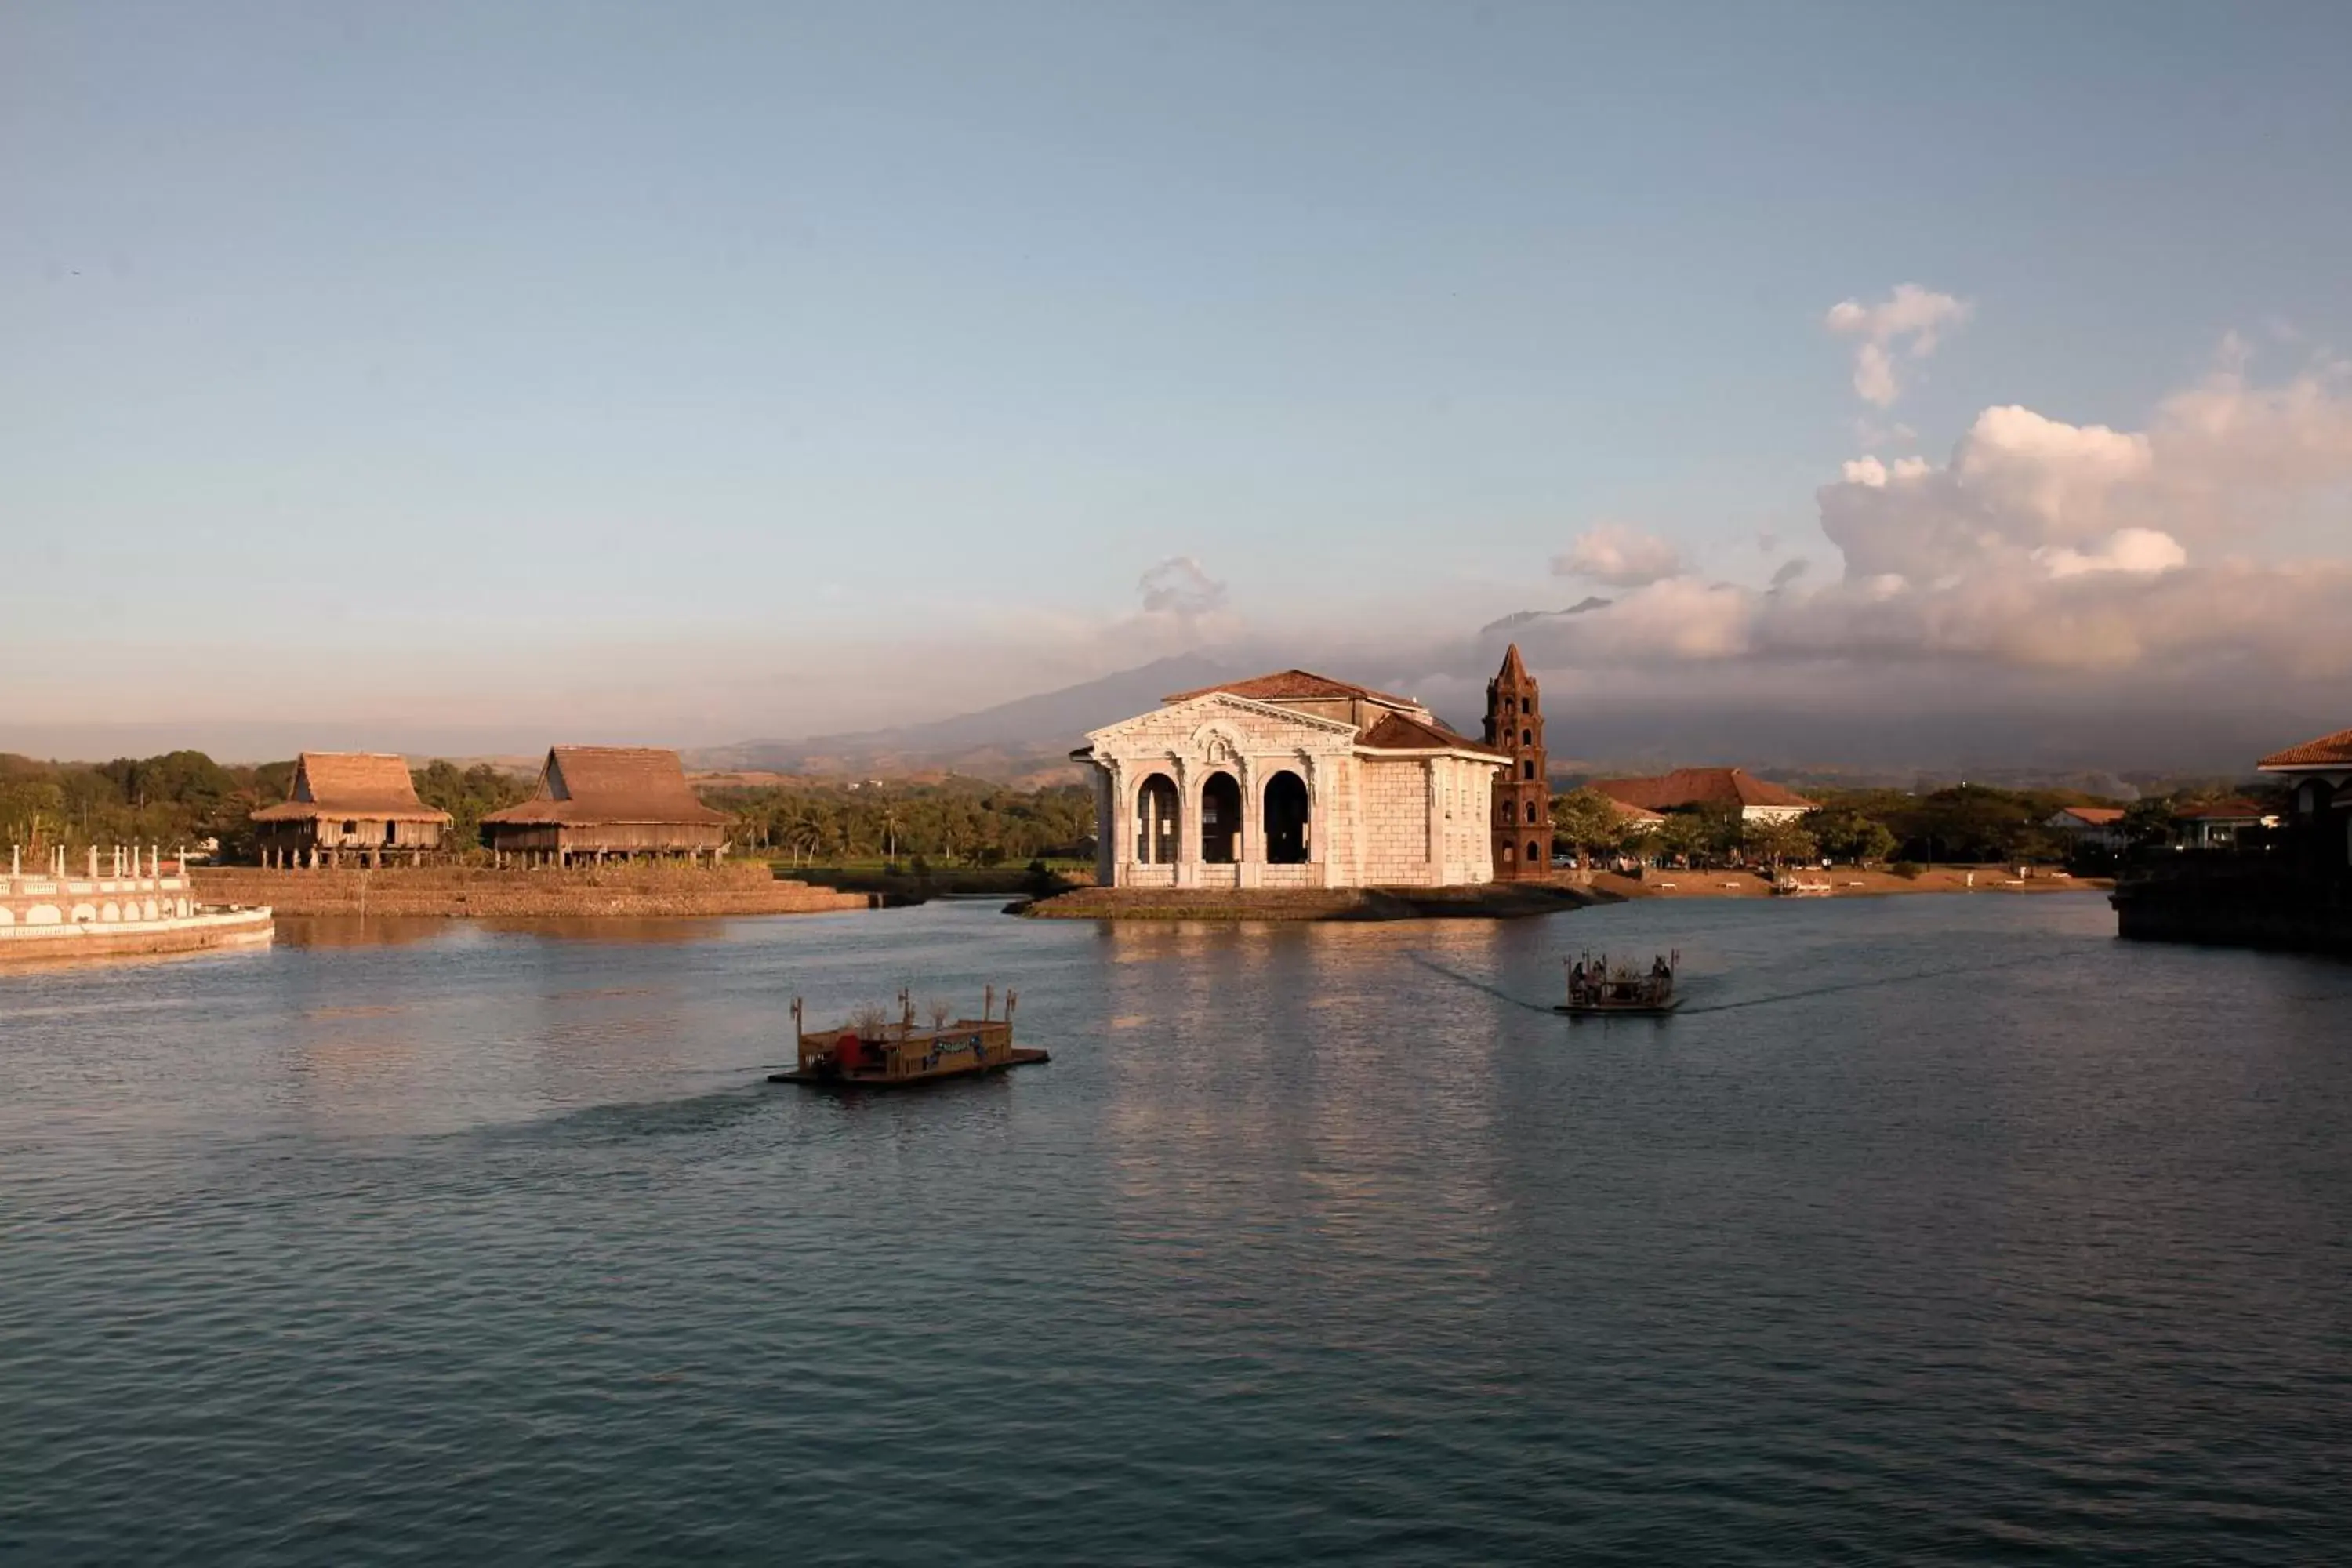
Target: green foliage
(1586, 821)
(180, 798)
(1778, 844)
(1907, 870)
(959, 822)
(1967, 823)
(1686, 836)
(1845, 833)
(467, 794)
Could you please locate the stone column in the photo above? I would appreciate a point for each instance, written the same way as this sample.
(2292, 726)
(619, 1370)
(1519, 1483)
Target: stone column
(1320, 784)
(1249, 834)
(1188, 824)
(1113, 821)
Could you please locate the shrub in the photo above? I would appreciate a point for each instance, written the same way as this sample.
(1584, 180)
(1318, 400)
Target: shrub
(1907, 870)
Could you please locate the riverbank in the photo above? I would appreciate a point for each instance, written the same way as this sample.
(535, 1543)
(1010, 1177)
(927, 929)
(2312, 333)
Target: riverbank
(581, 892)
(1844, 882)
(1490, 901)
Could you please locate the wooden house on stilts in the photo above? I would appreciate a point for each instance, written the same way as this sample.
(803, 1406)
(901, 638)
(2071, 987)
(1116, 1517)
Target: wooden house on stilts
(598, 803)
(359, 804)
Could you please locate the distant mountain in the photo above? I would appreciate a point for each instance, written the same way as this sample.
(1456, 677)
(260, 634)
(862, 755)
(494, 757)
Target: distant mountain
(1026, 740)
(1527, 617)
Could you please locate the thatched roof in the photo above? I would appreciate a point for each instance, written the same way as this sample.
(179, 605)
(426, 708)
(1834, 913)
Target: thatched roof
(373, 786)
(581, 786)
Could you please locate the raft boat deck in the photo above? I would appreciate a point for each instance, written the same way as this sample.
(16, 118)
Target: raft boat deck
(877, 1053)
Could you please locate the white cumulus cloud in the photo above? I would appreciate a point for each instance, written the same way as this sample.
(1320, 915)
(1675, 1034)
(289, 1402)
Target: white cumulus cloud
(2140, 550)
(2048, 549)
(1619, 555)
(1908, 323)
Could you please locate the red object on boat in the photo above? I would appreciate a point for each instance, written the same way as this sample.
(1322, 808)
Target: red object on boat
(849, 1054)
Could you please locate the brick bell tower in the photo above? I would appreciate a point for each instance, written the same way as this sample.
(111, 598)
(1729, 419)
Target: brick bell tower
(1522, 820)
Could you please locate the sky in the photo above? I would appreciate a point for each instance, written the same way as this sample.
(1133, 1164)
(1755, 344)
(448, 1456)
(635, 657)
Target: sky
(470, 377)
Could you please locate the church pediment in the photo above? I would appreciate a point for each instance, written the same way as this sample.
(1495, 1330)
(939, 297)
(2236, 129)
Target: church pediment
(1251, 725)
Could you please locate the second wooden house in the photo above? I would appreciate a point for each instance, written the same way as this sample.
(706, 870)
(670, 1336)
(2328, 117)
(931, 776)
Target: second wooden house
(598, 803)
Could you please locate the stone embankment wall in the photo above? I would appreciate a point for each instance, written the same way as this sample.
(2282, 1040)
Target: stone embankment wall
(1488, 901)
(461, 892)
(2223, 910)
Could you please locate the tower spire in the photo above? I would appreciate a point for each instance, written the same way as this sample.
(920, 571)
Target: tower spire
(1521, 815)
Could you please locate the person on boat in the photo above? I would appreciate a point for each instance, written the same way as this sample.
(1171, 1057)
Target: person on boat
(1576, 981)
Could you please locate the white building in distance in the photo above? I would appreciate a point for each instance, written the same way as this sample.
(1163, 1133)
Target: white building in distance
(1290, 780)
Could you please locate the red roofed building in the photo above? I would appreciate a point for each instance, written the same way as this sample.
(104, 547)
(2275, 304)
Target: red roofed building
(2101, 825)
(1290, 780)
(2321, 774)
(1756, 800)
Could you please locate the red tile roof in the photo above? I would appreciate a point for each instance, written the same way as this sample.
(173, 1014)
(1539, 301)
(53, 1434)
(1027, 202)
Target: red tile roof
(581, 786)
(2328, 751)
(2221, 811)
(1700, 786)
(1395, 732)
(2095, 816)
(372, 784)
(1293, 685)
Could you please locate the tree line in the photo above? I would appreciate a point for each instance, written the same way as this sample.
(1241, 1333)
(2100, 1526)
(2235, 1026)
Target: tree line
(1966, 824)
(185, 799)
(958, 822)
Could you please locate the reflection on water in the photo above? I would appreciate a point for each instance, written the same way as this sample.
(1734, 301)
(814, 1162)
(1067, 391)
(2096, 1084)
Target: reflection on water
(1941, 1228)
(382, 930)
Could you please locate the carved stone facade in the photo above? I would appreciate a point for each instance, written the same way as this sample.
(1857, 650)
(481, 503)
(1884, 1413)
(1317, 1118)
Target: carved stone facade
(1522, 795)
(1290, 780)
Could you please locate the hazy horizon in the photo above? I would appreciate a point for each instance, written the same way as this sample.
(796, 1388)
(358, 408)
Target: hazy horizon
(459, 381)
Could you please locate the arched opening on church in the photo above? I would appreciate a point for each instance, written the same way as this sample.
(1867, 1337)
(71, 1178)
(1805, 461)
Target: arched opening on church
(1535, 853)
(1221, 819)
(1156, 822)
(1531, 810)
(1285, 819)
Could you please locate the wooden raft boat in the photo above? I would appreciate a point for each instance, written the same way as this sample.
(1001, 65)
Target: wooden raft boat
(1595, 990)
(878, 1052)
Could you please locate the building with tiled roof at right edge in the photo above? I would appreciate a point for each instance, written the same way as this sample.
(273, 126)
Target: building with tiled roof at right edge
(2320, 774)
(2285, 887)
(1290, 780)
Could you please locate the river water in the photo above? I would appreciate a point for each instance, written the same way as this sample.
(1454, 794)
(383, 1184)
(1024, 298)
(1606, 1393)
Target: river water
(1937, 1229)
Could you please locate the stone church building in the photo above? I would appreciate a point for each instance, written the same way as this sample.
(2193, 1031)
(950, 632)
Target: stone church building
(1293, 780)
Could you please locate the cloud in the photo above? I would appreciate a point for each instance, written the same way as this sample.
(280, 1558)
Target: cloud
(2043, 549)
(2136, 550)
(1908, 323)
(1619, 555)
(1179, 586)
